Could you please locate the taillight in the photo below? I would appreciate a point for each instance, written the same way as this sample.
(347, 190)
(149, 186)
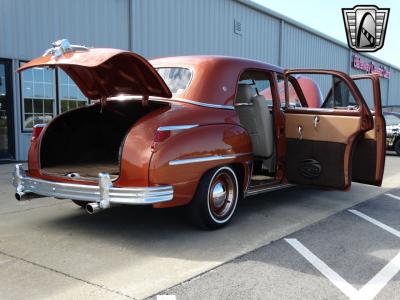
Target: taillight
(159, 137)
(37, 129)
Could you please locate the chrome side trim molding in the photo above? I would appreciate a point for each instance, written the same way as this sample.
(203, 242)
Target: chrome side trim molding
(205, 159)
(255, 191)
(104, 194)
(176, 127)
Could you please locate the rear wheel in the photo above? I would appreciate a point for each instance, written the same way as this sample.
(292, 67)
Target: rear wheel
(216, 198)
(397, 146)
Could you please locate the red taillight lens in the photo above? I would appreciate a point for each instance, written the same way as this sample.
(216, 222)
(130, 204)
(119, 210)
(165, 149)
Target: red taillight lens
(37, 129)
(160, 136)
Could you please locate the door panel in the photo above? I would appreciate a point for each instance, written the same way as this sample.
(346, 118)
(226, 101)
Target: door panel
(320, 141)
(316, 154)
(330, 128)
(369, 152)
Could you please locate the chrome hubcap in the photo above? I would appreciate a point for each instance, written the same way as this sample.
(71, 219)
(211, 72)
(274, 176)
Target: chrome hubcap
(218, 195)
(222, 195)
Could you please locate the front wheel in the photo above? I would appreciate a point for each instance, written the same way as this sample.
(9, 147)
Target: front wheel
(216, 198)
(397, 146)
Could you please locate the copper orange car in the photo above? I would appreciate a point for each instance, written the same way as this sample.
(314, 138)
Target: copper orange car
(198, 131)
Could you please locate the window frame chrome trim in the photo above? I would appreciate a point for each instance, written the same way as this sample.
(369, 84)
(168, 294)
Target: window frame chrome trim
(173, 99)
(204, 104)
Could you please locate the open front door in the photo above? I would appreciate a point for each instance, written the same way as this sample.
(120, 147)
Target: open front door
(369, 153)
(320, 141)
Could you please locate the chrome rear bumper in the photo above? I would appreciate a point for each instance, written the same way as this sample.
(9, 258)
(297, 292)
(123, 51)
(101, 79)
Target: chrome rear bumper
(104, 193)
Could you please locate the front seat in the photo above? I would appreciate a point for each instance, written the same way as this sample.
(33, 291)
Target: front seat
(256, 118)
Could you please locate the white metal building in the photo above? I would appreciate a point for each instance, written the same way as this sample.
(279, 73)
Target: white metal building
(151, 28)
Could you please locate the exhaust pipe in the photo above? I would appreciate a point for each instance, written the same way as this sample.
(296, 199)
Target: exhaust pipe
(92, 208)
(22, 196)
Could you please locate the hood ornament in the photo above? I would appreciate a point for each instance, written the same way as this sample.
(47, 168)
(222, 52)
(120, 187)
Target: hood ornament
(63, 46)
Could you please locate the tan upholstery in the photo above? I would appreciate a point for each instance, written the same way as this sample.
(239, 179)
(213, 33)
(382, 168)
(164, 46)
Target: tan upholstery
(255, 116)
(330, 128)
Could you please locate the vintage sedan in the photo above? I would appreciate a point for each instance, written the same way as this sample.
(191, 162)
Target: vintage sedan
(197, 131)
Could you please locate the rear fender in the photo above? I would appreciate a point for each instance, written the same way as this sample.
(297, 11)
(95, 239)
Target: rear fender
(211, 146)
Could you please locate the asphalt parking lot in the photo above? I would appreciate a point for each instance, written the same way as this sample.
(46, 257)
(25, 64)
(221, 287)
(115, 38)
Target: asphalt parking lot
(298, 243)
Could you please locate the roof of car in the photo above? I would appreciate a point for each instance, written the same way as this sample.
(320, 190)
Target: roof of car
(213, 59)
(214, 77)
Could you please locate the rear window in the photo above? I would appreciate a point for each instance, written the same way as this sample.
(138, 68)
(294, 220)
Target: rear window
(177, 79)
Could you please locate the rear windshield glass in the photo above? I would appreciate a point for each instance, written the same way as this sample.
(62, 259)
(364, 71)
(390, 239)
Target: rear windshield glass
(177, 79)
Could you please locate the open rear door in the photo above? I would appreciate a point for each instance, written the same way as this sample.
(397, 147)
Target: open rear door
(369, 153)
(320, 141)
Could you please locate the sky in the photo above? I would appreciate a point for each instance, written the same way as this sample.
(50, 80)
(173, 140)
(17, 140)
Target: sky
(326, 17)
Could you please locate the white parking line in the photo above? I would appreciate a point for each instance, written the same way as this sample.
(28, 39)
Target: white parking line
(333, 277)
(166, 297)
(376, 222)
(378, 282)
(368, 291)
(393, 196)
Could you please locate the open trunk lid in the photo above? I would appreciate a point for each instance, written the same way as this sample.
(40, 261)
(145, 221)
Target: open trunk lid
(101, 73)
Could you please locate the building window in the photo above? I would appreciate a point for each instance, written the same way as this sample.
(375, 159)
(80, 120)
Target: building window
(69, 94)
(40, 102)
(38, 96)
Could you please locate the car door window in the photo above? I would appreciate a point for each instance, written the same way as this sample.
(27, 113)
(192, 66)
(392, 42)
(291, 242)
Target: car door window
(295, 96)
(325, 91)
(259, 82)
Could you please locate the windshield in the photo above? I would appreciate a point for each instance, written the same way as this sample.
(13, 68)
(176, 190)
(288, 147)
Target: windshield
(177, 79)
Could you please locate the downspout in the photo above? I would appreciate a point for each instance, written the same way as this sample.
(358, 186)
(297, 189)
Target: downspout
(130, 25)
(388, 87)
(281, 41)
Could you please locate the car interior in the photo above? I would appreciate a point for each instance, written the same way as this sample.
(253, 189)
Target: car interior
(255, 115)
(323, 138)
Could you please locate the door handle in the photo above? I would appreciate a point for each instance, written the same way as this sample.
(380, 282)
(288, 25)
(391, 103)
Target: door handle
(300, 132)
(316, 121)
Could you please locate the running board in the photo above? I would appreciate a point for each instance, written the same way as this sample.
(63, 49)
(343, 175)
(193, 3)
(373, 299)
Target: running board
(256, 191)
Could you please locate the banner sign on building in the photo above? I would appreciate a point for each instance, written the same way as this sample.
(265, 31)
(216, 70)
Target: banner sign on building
(369, 67)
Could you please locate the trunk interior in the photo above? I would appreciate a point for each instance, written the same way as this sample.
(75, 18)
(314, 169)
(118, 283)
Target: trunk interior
(86, 141)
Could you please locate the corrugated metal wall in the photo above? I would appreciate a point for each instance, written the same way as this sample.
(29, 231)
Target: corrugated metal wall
(305, 50)
(174, 27)
(394, 88)
(27, 27)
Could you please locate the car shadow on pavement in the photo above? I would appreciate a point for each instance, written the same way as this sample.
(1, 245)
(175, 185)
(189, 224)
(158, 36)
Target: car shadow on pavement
(259, 220)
